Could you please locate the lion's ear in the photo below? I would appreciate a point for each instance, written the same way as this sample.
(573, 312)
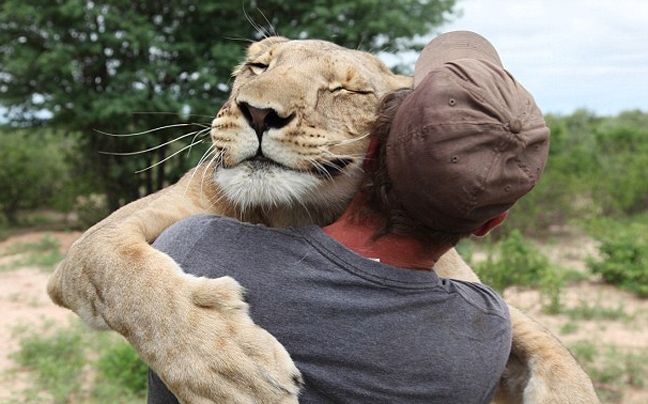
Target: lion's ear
(264, 44)
(399, 81)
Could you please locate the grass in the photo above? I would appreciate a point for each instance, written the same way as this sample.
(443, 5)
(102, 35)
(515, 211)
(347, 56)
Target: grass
(596, 311)
(74, 364)
(44, 254)
(612, 370)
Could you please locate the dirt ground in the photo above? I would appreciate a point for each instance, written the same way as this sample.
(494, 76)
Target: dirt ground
(23, 300)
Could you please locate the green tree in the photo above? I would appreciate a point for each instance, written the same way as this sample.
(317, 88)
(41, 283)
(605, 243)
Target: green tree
(32, 171)
(622, 158)
(87, 65)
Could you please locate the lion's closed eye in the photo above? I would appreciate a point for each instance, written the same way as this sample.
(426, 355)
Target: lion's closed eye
(349, 90)
(257, 67)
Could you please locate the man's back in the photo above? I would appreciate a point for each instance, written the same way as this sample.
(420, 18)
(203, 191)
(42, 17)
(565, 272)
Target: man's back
(358, 330)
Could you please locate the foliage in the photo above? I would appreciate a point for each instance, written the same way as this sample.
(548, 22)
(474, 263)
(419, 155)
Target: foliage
(32, 172)
(91, 209)
(83, 66)
(611, 369)
(121, 365)
(56, 359)
(624, 253)
(597, 166)
(74, 364)
(512, 261)
(45, 254)
(595, 311)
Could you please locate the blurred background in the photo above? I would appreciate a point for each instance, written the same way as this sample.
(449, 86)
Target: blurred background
(94, 93)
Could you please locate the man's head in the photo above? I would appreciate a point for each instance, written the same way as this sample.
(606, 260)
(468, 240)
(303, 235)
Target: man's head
(466, 143)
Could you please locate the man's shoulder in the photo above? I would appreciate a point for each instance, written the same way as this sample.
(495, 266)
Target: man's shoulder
(184, 233)
(480, 296)
(189, 225)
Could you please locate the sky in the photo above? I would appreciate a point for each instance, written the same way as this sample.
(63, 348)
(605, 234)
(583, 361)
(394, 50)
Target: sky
(569, 54)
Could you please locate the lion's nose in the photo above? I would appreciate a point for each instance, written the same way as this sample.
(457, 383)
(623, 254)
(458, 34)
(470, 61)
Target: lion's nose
(262, 119)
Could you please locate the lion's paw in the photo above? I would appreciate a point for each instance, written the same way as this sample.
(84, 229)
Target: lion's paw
(222, 293)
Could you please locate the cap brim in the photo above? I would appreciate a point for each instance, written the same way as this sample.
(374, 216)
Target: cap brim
(453, 46)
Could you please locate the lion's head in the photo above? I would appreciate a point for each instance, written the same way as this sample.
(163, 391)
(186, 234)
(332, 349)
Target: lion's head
(293, 134)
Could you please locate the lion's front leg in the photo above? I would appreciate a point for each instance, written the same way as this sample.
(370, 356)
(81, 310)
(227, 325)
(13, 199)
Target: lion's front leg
(103, 256)
(195, 333)
(541, 370)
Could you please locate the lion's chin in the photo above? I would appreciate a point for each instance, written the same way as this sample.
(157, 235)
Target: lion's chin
(250, 187)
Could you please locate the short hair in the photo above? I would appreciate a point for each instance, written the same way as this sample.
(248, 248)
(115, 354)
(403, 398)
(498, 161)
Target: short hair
(376, 187)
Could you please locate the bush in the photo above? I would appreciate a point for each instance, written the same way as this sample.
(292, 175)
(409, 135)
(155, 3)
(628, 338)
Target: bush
(32, 172)
(56, 359)
(120, 365)
(622, 176)
(512, 261)
(73, 364)
(596, 166)
(624, 254)
(91, 209)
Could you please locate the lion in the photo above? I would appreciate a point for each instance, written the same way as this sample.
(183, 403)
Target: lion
(287, 150)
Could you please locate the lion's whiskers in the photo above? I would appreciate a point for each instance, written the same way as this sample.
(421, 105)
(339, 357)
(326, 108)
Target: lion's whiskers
(153, 130)
(195, 135)
(188, 147)
(262, 32)
(198, 137)
(211, 151)
(347, 141)
(216, 160)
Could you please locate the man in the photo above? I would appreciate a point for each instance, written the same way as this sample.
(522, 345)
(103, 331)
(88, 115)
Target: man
(357, 303)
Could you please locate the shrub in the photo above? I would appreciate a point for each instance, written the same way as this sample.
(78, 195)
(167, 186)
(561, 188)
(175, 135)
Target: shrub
(120, 365)
(44, 253)
(624, 255)
(33, 170)
(91, 209)
(512, 261)
(72, 364)
(55, 358)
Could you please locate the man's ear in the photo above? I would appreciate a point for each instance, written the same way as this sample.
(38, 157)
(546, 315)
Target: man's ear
(490, 225)
(371, 153)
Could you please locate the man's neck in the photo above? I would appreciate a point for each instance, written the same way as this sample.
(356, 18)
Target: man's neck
(357, 234)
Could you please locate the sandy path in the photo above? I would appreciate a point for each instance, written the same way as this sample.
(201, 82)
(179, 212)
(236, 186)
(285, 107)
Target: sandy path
(24, 301)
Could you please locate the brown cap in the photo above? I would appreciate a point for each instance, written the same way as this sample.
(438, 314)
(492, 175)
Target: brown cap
(469, 141)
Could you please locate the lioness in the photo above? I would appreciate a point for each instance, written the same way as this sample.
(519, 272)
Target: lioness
(287, 151)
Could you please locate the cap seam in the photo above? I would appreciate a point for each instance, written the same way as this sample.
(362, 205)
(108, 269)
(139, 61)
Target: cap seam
(497, 150)
(418, 132)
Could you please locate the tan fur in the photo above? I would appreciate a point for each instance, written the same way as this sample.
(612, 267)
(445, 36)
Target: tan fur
(196, 333)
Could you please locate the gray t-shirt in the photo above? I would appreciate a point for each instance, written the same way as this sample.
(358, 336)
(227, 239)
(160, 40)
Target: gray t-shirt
(359, 331)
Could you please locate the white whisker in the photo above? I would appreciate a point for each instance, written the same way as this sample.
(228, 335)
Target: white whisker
(149, 131)
(210, 150)
(215, 161)
(171, 114)
(195, 134)
(198, 133)
(348, 141)
(169, 157)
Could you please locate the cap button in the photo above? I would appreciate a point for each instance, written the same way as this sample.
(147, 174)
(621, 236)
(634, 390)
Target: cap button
(515, 126)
